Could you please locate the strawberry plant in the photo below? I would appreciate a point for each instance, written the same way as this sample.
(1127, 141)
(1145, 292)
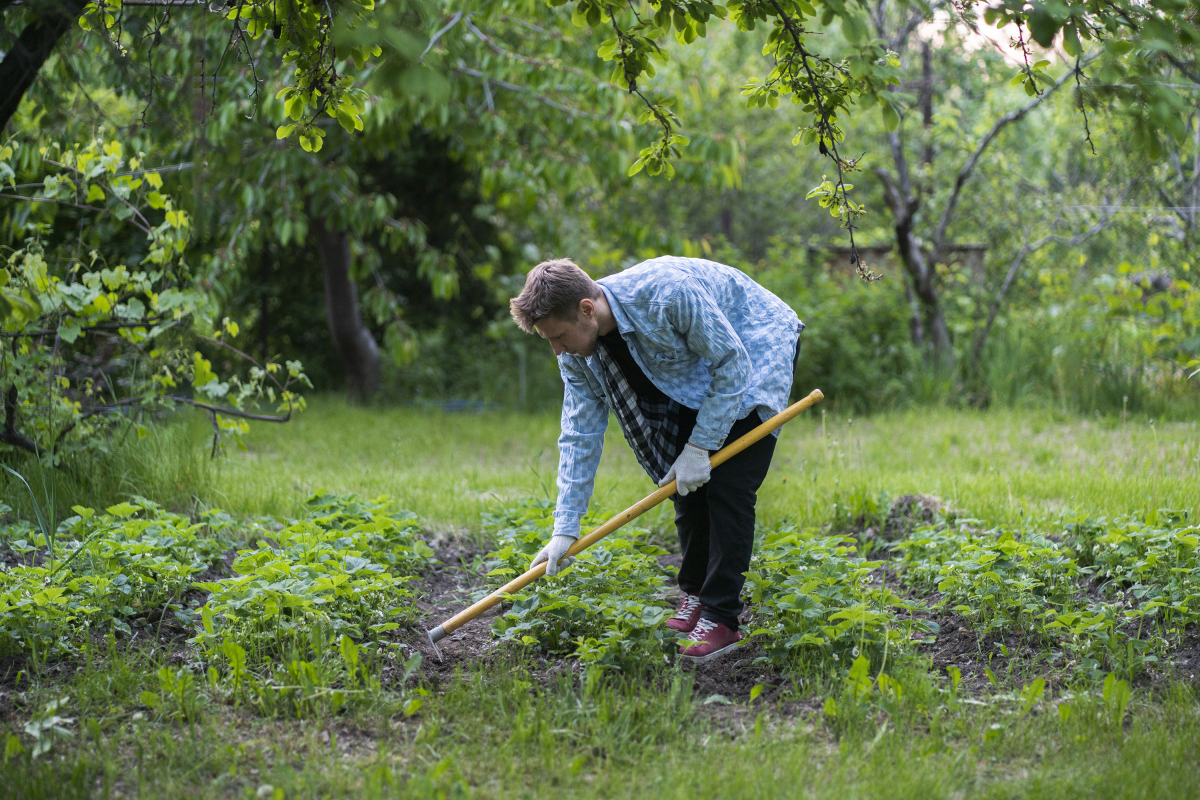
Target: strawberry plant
(994, 579)
(815, 602)
(608, 609)
(344, 566)
(128, 565)
(1150, 566)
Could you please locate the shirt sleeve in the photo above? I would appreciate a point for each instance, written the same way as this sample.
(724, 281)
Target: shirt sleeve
(580, 444)
(708, 333)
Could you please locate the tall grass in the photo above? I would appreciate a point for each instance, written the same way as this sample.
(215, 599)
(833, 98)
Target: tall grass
(170, 465)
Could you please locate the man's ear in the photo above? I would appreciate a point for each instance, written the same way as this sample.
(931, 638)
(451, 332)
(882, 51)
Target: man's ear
(587, 307)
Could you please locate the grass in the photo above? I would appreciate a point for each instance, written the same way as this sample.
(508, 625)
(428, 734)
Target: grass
(516, 729)
(449, 468)
(491, 735)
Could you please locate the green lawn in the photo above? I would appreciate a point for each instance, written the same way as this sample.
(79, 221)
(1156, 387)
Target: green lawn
(448, 468)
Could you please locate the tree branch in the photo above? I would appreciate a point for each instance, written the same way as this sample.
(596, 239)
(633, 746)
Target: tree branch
(1015, 267)
(10, 435)
(541, 98)
(969, 165)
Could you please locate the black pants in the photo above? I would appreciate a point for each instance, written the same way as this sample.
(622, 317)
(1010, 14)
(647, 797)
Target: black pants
(716, 522)
(716, 527)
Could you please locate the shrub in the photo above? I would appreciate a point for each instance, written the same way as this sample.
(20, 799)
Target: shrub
(94, 297)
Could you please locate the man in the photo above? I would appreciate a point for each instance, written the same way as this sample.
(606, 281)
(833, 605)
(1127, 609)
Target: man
(688, 354)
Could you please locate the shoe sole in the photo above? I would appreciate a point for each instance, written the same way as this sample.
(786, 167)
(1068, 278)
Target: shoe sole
(711, 656)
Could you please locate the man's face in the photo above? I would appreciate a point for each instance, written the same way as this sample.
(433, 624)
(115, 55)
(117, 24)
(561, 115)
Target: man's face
(577, 336)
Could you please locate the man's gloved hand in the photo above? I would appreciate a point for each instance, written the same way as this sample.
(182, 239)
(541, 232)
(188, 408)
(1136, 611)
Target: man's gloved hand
(691, 470)
(564, 536)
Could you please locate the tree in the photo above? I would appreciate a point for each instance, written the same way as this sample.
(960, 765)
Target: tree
(57, 293)
(827, 76)
(45, 23)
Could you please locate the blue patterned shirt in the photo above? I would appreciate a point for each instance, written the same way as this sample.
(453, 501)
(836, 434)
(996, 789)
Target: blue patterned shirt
(705, 334)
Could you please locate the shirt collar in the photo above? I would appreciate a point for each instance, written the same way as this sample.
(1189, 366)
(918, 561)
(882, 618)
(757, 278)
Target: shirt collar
(624, 324)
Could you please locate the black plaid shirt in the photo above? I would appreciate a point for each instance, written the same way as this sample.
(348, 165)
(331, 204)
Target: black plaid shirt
(651, 421)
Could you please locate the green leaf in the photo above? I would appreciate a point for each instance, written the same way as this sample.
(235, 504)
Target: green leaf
(312, 140)
(69, 331)
(1042, 27)
(1071, 41)
(284, 131)
(854, 28)
(122, 510)
(891, 119)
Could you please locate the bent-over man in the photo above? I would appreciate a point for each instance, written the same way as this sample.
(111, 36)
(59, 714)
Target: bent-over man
(688, 354)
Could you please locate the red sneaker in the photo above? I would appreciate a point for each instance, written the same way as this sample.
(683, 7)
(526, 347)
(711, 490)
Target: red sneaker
(686, 617)
(713, 640)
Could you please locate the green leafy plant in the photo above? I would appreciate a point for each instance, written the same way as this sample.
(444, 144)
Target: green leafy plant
(141, 311)
(344, 566)
(815, 603)
(127, 566)
(178, 697)
(608, 609)
(993, 578)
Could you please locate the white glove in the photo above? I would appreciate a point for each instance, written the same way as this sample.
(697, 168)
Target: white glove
(691, 470)
(565, 534)
(554, 550)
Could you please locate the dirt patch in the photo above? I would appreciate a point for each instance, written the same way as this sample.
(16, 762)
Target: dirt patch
(449, 586)
(909, 512)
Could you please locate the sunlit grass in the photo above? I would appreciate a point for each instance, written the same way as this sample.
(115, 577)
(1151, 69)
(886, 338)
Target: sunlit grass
(1001, 466)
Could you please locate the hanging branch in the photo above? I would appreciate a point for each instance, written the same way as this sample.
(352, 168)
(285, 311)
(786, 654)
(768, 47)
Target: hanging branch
(827, 140)
(1087, 131)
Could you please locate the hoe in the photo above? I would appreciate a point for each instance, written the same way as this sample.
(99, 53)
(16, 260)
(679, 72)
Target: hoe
(628, 515)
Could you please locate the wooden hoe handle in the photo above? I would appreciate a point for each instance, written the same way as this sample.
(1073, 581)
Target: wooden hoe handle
(628, 515)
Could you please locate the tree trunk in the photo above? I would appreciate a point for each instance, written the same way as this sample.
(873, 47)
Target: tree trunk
(360, 354)
(264, 300)
(923, 273)
(21, 64)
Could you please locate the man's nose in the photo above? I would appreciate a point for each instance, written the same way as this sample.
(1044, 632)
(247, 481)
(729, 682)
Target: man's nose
(558, 348)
